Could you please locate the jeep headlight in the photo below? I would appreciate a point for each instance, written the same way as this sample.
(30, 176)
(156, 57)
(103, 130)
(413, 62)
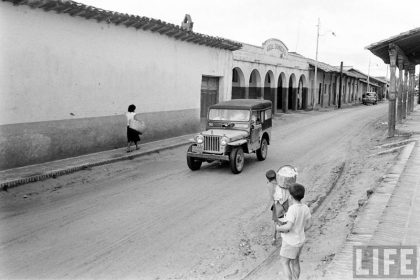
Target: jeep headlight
(199, 139)
(224, 141)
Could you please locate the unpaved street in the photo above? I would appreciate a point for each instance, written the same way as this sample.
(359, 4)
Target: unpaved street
(153, 218)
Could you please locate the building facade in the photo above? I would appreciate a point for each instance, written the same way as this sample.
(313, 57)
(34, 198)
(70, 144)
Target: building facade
(271, 72)
(69, 72)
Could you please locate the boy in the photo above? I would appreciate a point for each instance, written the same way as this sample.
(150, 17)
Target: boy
(298, 220)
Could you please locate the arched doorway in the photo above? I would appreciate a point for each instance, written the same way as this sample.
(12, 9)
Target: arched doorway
(238, 83)
(281, 93)
(269, 91)
(254, 85)
(291, 96)
(302, 94)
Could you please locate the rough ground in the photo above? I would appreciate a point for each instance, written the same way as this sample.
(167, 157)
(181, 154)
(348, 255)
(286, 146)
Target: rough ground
(152, 218)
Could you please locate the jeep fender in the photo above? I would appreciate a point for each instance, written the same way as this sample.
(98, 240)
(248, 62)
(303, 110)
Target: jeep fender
(237, 143)
(266, 136)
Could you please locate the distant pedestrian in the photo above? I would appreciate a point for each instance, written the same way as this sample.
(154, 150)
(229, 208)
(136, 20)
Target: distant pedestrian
(298, 220)
(133, 136)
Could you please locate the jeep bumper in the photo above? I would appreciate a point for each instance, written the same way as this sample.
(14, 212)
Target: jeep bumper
(208, 156)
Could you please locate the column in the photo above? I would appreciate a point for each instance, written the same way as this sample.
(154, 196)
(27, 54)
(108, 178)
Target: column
(392, 92)
(405, 93)
(411, 82)
(400, 90)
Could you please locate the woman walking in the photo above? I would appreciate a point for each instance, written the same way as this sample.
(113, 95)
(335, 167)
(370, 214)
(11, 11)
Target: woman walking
(133, 136)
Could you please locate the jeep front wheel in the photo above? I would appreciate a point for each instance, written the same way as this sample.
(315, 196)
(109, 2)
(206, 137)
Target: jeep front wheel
(262, 151)
(237, 160)
(193, 163)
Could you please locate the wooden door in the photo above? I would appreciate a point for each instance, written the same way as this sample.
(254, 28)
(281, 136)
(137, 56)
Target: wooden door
(209, 96)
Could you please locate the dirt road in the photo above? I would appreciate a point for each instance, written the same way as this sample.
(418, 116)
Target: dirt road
(153, 218)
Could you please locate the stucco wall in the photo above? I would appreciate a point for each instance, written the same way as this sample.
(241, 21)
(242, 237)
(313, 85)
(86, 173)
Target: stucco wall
(66, 70)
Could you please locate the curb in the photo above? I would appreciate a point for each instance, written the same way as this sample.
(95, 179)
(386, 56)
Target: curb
(71, 169)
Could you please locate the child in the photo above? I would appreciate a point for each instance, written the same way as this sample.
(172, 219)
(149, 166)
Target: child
(279, 196)
(298, 220)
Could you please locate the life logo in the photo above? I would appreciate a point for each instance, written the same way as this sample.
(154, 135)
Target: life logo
(385, 262)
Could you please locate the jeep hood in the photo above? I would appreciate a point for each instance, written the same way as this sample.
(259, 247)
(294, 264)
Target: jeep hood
(231, 134)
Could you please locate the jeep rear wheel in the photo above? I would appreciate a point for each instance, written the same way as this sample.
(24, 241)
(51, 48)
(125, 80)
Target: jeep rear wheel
(262, 151)
(237, 160)
(193, 163)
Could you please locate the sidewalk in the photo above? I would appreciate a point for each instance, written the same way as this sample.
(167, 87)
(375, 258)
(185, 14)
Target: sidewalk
(391, 215)
(22, 175)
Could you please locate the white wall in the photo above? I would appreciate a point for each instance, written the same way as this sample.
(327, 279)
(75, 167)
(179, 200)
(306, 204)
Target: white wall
(54, 66)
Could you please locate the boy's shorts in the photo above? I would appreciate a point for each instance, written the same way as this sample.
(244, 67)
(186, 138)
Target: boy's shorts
(289, 251)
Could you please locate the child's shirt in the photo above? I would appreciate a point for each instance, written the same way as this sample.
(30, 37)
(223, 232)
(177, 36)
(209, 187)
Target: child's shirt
(280, 194)
(298, 214)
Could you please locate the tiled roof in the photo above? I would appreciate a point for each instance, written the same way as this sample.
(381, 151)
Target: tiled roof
(408, 42)
(73, 9)
(323, 66)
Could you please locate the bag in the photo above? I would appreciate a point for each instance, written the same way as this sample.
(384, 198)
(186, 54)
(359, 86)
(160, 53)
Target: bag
(282, 208)
(140, 126)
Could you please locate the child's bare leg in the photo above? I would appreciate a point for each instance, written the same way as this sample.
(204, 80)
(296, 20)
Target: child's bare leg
(128, 146)
(275, 232)
(295, 266)
(285, 263)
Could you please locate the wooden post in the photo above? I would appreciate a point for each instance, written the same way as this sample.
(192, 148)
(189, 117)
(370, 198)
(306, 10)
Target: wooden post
(411, 88)
(400, 89)
(392, 92)
(405, 93)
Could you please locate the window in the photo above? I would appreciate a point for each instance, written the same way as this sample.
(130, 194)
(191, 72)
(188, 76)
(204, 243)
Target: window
(268, 114)
(228, 115)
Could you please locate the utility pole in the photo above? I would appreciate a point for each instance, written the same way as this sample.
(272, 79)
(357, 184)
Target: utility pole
(316, 67)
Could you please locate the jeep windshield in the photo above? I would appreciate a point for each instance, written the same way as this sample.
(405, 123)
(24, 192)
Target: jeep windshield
(229, 115)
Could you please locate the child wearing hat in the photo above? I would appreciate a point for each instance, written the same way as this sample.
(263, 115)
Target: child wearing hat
(279, 196)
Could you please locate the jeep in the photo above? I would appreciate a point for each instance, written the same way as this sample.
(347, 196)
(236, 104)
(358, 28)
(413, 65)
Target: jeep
(233, 128)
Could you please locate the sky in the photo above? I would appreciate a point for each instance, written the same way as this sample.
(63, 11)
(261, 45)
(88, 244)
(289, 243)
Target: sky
(355, 23)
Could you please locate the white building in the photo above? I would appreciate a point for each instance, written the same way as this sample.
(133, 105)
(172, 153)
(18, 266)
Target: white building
(69, 72)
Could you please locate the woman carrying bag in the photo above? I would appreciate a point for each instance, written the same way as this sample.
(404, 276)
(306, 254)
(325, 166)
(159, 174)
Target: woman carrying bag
(133, 135)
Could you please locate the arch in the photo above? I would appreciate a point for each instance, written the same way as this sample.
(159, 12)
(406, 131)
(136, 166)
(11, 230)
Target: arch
(281, 96)
(269, 89)
(302, 93)
(291, 94)
(238, 83)
(254, 85)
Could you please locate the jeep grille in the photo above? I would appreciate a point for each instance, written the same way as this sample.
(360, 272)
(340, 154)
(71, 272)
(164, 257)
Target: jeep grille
(211, 143)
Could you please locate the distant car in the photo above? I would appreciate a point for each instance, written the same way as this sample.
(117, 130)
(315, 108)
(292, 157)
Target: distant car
(370, 98)
(233, 128)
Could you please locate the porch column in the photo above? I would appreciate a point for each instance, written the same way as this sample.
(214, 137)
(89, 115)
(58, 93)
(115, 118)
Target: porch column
(400, 90)
(405, 93)
(411, 87)
(392, 92)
